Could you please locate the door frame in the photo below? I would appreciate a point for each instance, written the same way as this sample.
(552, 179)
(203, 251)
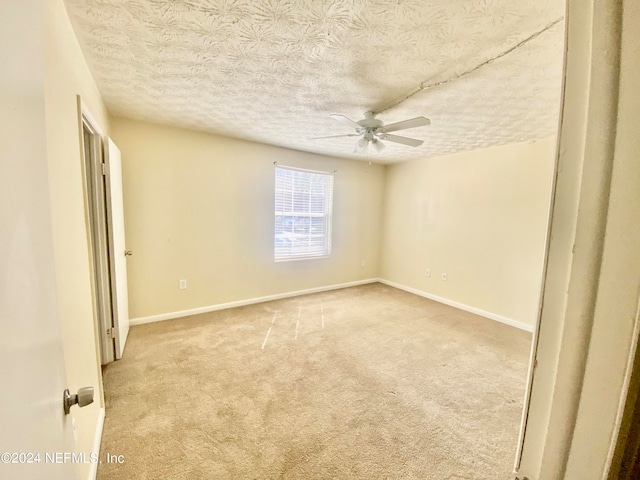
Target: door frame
(587, 332)
(536, 332)
(97, 231)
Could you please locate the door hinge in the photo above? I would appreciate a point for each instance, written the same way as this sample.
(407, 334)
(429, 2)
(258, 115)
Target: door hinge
(104, 168)
(110, 332)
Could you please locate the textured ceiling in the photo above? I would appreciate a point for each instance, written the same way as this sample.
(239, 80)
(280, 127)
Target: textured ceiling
(272, 71)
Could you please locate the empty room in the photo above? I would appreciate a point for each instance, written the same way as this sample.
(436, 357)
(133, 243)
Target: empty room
(365, 239)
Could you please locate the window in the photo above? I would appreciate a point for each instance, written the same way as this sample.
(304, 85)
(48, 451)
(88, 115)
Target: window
(303, 214)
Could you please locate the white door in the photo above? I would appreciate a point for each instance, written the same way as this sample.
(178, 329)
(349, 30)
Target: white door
(32, 371)
(31, 357)
(32, 375)
(117, 247)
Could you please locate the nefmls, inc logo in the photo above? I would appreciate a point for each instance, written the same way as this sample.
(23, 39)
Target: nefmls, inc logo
(71, 457)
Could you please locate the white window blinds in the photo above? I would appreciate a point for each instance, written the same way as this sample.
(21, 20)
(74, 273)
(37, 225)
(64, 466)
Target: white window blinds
(302, 214)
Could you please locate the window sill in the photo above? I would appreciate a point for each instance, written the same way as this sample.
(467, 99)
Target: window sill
(295, 259)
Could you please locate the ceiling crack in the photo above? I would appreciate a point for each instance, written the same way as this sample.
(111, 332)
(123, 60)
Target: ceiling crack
(425, 86)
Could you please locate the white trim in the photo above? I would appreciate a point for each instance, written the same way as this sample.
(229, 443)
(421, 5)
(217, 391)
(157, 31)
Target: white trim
(250, 301)
(297, 259)
(97, 440)
(461, 306)
(635, 338)
(322, 172)
(241, 303)
(85, 115)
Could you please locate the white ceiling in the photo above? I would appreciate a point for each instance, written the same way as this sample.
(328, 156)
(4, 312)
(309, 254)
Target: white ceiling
(272, 71)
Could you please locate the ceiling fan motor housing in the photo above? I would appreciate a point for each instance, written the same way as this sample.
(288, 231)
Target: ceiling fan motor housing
(370, 123)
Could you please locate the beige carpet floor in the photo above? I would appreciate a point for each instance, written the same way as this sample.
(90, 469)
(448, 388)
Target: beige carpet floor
(367, 382)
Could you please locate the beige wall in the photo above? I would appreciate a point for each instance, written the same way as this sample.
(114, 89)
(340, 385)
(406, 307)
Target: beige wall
(67, 75)
(556, 387)
(480, 217)
(200, 207)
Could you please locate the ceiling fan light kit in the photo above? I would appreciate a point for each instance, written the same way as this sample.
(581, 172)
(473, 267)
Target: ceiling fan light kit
(372, 131)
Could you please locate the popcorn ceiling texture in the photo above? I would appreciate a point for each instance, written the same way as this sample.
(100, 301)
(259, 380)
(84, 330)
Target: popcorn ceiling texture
(272, 71)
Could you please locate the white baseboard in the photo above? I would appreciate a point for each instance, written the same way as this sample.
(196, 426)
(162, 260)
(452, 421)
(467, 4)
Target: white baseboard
(461, 306)
(241, 303)
(251, 301)
(97, 440)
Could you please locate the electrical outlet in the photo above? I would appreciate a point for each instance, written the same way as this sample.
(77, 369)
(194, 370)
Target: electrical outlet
(183, 284)
(444, 277)
(427, 272)
(363, 263)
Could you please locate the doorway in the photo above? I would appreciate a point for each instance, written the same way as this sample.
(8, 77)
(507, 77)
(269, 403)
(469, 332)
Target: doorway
(103, 180)
(98, 233)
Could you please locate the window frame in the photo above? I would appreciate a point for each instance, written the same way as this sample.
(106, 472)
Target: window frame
(327, 214)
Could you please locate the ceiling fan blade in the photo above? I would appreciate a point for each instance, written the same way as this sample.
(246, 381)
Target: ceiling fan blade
(345, 120)
(336, 136)
(412, 142)
(412, 123)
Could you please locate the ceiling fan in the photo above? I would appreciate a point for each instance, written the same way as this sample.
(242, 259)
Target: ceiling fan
(372, 131)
